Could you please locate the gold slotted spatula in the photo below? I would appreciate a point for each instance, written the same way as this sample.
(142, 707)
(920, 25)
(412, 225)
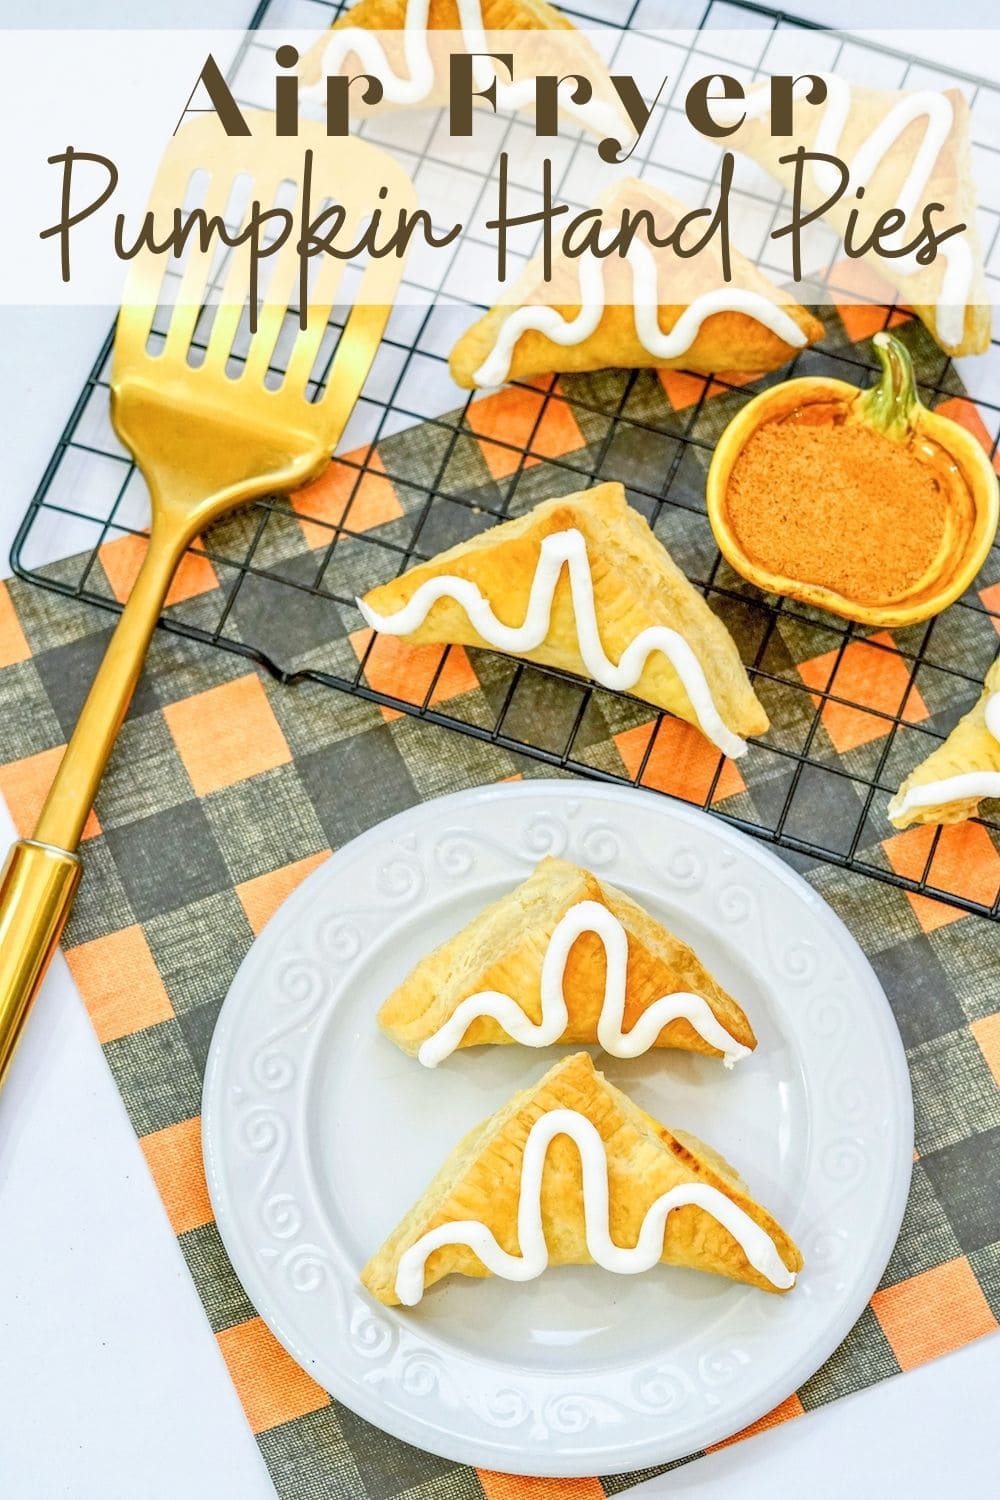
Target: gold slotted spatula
(206, 442)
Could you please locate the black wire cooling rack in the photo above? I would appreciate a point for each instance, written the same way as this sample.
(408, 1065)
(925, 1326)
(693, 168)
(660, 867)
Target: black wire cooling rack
(852, 711)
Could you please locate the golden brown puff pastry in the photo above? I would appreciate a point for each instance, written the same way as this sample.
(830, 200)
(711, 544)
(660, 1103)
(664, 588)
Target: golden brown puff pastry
(503, 949)
(481, 1182)
(972, 748)
(444, 15)
(726, 340)
(552, 46)
(950, 183)
(636, 585)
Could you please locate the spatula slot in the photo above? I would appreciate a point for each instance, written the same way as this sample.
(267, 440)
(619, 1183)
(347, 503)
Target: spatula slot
(222, 260)
(172, 267)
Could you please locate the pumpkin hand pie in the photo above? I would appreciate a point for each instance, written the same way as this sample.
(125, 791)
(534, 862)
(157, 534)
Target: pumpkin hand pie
(564, 957)
(906, 149)
(572, 1172)
(407, 45)
(581, 583)
(646, 308)
(949, 785)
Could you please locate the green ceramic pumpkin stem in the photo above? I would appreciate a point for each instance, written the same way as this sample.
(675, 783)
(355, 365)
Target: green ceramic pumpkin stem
(893, 404)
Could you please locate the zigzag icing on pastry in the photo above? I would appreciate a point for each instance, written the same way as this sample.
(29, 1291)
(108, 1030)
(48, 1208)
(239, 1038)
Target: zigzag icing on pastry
(956, 283)
(367, 47)
(584, 916)
(645, 300)
(967, 786)
(756, 1244)
(570, 548)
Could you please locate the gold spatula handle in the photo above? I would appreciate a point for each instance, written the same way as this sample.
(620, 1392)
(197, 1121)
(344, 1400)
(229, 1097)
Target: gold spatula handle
(36, 892)
(41, 875)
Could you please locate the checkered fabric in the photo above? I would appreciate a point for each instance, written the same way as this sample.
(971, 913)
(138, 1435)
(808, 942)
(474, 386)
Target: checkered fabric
(227, 787)
(852, 710)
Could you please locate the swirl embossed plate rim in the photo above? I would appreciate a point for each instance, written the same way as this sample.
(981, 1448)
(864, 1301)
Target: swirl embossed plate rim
(299, 1082)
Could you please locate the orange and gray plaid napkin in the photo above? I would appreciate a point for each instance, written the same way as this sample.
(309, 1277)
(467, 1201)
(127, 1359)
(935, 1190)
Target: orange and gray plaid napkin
(227, 788)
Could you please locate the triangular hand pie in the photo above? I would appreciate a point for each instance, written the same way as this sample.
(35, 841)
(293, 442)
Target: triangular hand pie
(446, 15)
(564, 958)
(949, 785)
(571, 1172)
(650, 308)
(405, 53)
(582, 584)
(888, 138)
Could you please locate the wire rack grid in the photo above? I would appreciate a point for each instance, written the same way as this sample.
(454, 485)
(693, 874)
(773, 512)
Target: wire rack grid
(852, 711)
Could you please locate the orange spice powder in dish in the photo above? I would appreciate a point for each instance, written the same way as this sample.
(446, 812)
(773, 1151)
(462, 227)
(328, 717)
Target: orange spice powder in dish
(820, 499)
(860, 502)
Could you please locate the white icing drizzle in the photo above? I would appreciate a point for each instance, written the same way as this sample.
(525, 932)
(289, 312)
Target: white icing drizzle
(558, 549)
(936, 108)
(645, 300)
(756, 1244)
(418, 83)
(961, 788)
(584, 916)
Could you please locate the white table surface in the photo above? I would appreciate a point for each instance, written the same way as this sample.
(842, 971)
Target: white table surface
(111, 1383)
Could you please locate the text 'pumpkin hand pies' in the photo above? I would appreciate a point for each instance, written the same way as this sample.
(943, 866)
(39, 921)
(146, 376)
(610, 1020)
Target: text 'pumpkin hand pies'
(572, 1172)
(646, 308)
(564, 958)
(582, 584)
(907, 150)
(949, 785)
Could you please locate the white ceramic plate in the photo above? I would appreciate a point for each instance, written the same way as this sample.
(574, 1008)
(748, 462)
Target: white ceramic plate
(319, 1134)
